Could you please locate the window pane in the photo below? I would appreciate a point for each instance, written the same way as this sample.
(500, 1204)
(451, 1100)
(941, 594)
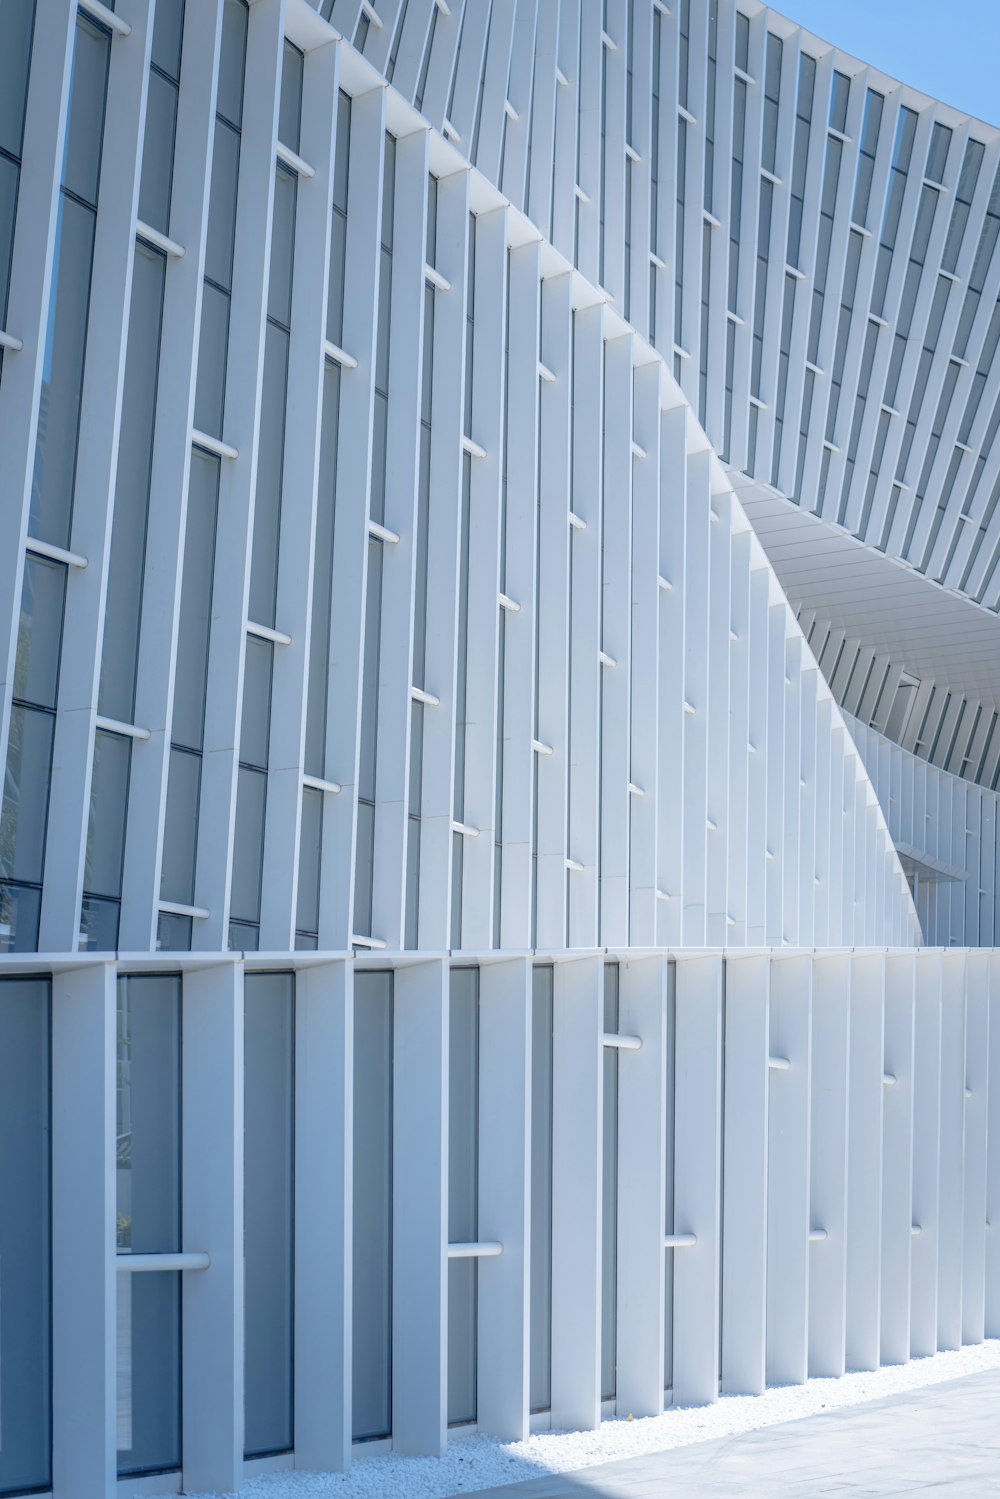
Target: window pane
(256, 701)
(8, 202)
(290, 107)
(232, 59)
(372, 1251)
(62, 375)
(541, 1190)
(106, 829)
(194, 625)
(270, 455)
(135, 457)
(158, 153)
(26, 790)
(19, 913)
(222, 206)
(168, 21)
(307, 919)
(267, 1210)
(85, 126)
(99, 924)
(173, 933)
(463, 1189)
(16, 19)
(39, 636)
(248, 845)
(25, 1231)
(609, 1252)
(279, 294)
(211, 387)
(180, 829)
(148, 1114)
(149, 1372)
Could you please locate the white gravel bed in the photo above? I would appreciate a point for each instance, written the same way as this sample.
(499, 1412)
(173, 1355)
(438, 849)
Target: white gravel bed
(479, 1462)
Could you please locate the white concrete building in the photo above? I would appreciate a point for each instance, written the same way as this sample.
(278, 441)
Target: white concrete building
(499, 579)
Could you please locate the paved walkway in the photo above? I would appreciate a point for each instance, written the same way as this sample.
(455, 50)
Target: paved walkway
(943, 1440)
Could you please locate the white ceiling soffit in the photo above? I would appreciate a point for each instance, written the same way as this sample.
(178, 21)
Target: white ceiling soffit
(878, 601)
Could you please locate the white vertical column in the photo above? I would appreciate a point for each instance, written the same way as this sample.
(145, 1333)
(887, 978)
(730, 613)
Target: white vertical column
(96, 466)
(238, 476)
(670, 768)
(350, 537)
(738, 872)
(577, 1104)
(697, 618)
(300, 476)
(952, 1162)
(616, 640)
(420, 1208)
(212, 1203)
(517, 683)
(31, 271)
(897, 1158)
(644, 681)
(720, 629)
(324, 1109)
(642, 1177)
(926, 1145)
(977, 1036)
(480, 770)
(168, 490)
(697, 1178)
(776, 696)
(864, 1161)
(553, 605)
(84, 1462)
(445, 512)
(399, 560)
(788, 1151)
(828, 1164)
(757, 748)
(584, 632)
(992, 1316)
(744, 1248)
(504, 1196)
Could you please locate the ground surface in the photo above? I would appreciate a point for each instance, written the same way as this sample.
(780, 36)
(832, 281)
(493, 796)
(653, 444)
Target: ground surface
(935, 1427)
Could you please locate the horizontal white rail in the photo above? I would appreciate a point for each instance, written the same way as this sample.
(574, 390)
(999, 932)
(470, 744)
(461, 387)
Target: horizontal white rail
(621, 1043)
(679, 1241)
(135, 1264)
(483, 1249)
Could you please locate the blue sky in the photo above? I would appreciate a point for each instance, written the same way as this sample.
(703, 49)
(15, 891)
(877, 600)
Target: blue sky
(947, 48)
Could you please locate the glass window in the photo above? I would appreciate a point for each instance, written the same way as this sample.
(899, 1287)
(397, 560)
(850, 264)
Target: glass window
(180, 828)
(85, 125)
(290, 106)
(222, 206)
(232, 61)
(26, 793)
(106, 829)
(248, 845)
(39, 637)
(372, 1186)
(135, 461)
(268, 1209)
(212, 346)
(168, 23)
(25, 1227)
(463, 1190)
(148, 1169)
(158, 152)
(270, 456)
(541, 1190)
(195, 619)
(62, 375)
(16, 24)
(279, 292)
(256, 702)
(307, 918)
(609, 1195)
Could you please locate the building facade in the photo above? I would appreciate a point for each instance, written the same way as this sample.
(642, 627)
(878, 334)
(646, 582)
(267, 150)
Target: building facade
(499, 709)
